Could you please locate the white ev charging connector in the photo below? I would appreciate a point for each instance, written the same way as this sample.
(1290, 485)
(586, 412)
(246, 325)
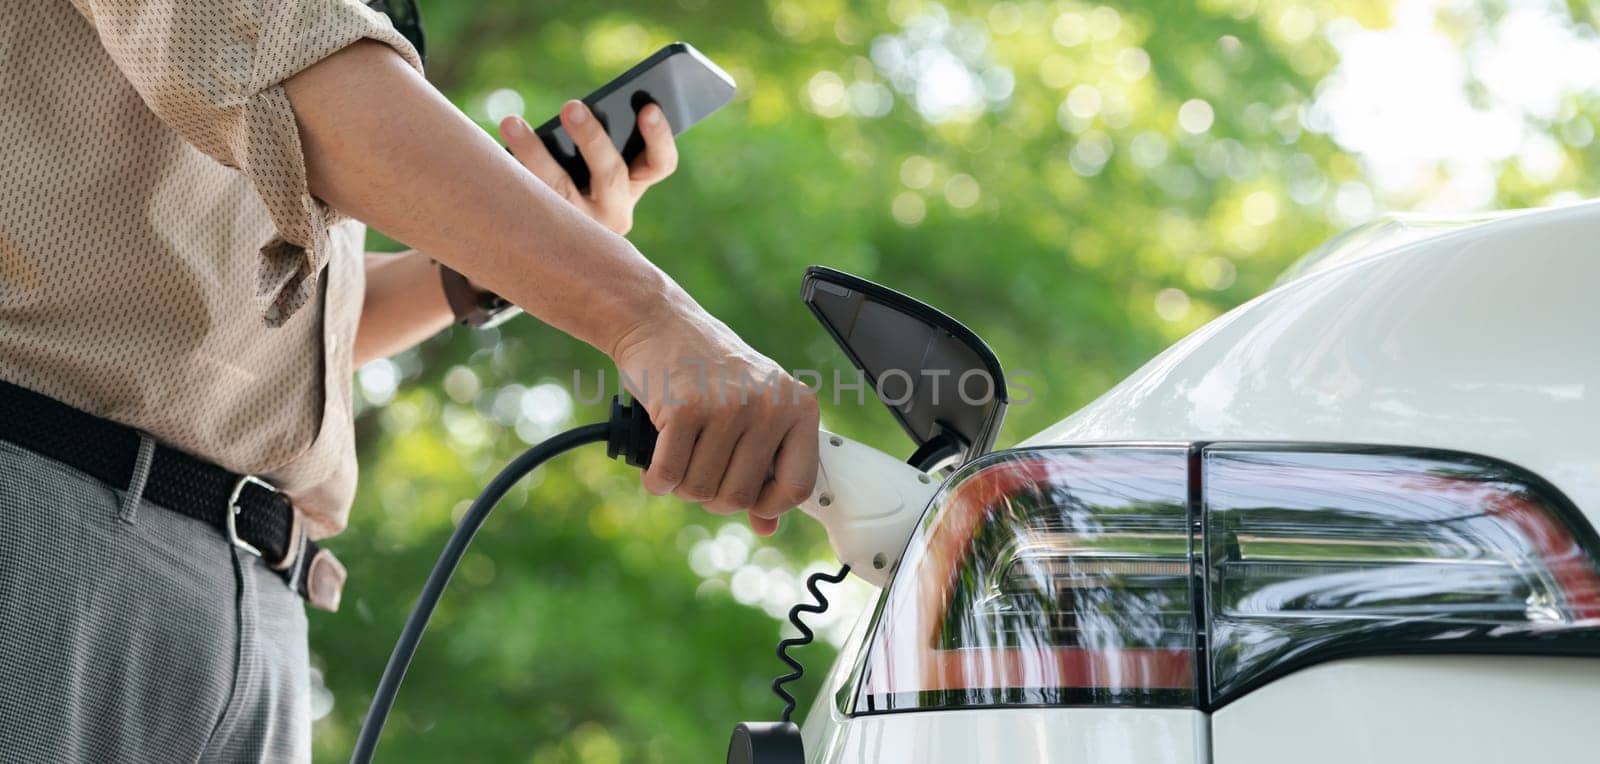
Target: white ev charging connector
(869, 502)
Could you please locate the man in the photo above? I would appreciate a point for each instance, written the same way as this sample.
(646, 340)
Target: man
(182, 300)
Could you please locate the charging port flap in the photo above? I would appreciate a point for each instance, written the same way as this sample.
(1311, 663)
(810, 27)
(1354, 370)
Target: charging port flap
(940, 380)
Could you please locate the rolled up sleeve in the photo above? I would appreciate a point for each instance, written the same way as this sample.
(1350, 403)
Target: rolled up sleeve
(213, 70)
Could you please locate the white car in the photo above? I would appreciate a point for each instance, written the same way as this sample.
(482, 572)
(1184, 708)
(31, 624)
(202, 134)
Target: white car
(1351, 521)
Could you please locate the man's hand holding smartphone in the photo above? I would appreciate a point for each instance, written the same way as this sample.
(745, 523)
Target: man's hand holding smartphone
(614, 186)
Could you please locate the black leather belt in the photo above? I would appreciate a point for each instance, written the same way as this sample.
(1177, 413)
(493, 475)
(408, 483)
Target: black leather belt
(250, 512)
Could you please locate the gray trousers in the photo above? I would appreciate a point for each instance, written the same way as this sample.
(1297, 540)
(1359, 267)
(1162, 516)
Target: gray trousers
(129, 632)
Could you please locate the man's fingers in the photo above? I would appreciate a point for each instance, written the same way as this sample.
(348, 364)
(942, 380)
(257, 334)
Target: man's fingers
(660, 155)
(747, 471)
(708, 464)
(607, 174)
(769, 505)
(670, 462)
(526, 146)
(764, 526)
(794, 474)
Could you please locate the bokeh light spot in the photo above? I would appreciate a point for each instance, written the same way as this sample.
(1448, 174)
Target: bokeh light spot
(908, 208)
(869, 99)
(1297, 23)
(1090, 154)
(826, 94)
(461, 384)
(1133, 63)
(1218, 273)
(1070, 29)
(378, 380)
(1353, 203)
(503, 103)
(1195, 116)
(1260, 208)
(916, 171)
(1148, 149)
(1104, 23)
(1084, 101)
(1005, 18)
(961, 191)
(1172, 304)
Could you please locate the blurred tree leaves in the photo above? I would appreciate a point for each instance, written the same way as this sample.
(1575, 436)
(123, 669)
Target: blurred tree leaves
(1081, 184)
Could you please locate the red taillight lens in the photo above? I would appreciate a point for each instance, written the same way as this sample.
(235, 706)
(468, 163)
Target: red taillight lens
(1046, 577)
(1149, 575)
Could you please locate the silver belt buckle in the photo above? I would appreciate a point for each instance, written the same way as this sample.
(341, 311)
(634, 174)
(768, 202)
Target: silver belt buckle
(234, 509)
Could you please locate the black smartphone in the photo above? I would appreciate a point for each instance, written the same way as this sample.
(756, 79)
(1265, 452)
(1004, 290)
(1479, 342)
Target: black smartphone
(681, 80)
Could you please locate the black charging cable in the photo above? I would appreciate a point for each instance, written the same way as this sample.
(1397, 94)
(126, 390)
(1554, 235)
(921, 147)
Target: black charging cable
(628, 436)
(780, 742)
(818, 605)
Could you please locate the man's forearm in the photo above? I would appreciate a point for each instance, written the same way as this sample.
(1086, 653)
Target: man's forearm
(404, 305)
(383, 146)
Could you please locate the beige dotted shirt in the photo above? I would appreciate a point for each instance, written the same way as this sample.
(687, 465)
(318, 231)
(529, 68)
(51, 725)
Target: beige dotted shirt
(161, 261)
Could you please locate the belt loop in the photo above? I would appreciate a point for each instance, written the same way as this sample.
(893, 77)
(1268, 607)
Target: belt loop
(129, 510)
(291, 555)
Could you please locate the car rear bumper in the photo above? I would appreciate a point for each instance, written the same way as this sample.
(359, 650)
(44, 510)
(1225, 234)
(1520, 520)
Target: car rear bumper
(1464, 709)
(1100, 736)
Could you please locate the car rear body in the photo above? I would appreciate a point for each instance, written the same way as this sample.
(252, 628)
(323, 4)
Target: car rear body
(1349, 521)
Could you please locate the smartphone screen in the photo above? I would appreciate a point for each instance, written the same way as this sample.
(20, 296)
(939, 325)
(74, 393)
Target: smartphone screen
(682, 81)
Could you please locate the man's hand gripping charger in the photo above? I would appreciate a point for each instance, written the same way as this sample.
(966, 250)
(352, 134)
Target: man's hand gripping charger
(868, 501)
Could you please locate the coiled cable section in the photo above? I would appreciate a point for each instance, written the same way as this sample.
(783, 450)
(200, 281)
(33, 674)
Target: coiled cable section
(818, 605)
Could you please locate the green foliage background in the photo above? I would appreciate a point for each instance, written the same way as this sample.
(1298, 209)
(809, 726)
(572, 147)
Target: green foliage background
(1079, 233)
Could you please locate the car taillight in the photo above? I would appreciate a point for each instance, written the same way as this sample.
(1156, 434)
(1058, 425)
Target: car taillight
(1044, 577)
(1177, 576)
(1316, 554)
